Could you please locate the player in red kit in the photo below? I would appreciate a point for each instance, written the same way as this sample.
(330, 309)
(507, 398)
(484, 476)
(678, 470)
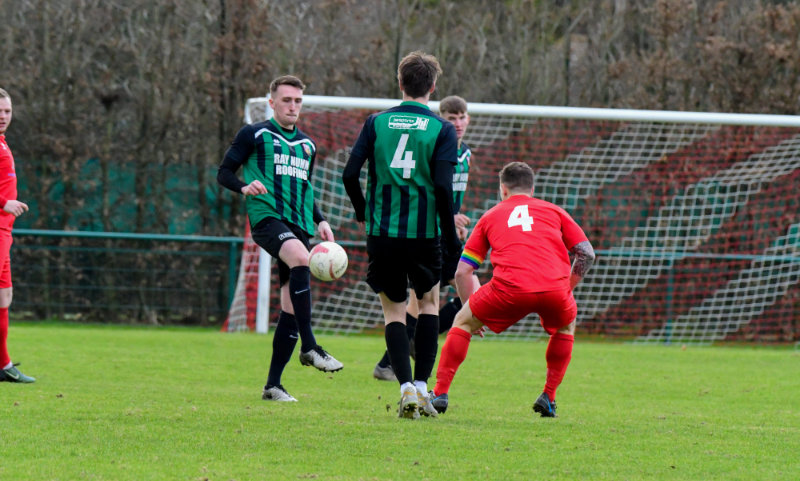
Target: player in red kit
(531, 241)
(12, 208)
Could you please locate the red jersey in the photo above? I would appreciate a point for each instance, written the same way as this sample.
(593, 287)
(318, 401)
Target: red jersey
(8, 184)
(530, 241)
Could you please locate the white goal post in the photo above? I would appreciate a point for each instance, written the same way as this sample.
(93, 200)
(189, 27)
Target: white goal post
(694, 216)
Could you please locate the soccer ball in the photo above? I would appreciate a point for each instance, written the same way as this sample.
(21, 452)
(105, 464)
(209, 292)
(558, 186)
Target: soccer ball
(327, 261)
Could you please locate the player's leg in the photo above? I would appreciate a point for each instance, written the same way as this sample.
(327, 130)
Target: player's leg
(412, 317)
(454, 353)
(8, 372)
(558, 356)
(383, 370)
(426, 344)
(289, 244)
(5, 296)
(284, 340)
(425, 271)
(295, 254)
(387, 276)
(426, 335)
(558, 319)
(397, 347)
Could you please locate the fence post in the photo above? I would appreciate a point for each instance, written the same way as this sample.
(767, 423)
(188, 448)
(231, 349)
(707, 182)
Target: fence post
(232, 277)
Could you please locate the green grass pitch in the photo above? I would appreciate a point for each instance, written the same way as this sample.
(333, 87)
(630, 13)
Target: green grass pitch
(125, 403)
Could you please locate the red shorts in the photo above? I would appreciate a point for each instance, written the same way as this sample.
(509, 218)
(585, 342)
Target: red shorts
(499, 309)
(5, 259)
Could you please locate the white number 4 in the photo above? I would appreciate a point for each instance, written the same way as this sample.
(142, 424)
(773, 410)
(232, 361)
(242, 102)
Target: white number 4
(403, 158)
(520, 217)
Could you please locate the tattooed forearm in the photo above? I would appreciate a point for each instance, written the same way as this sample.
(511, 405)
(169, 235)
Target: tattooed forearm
(584, 258)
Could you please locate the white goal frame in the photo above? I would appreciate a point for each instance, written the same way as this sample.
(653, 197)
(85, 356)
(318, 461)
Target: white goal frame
(257, 109)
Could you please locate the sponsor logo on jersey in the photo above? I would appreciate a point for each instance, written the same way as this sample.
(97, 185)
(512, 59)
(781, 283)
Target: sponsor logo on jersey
(408, 122)
(460, 181)
(291, 165)
(291, 171)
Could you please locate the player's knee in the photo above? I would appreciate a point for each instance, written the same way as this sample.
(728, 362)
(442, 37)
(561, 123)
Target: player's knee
(294, 253)
(568, 329)
(465, 320)
(5, 297)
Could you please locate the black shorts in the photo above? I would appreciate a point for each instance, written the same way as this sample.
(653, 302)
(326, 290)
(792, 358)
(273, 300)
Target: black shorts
(394, 264)
(270, 234)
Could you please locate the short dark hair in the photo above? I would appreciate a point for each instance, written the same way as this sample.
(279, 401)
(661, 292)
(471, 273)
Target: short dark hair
(517, 176)
(453, 104)
(417, 73)
(286, 80)
(4, 94)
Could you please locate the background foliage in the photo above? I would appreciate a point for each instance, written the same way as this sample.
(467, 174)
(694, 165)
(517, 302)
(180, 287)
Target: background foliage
(123, 110)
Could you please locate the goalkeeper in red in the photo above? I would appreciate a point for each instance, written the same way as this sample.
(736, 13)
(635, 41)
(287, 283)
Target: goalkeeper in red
(531, 241)
(11, 209)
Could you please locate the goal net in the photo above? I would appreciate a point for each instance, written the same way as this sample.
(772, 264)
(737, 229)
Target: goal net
(694, 217)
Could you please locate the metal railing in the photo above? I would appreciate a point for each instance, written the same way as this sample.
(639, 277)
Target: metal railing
(123, 277)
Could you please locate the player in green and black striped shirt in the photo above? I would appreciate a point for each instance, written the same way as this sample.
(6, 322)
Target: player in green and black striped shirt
(277, 160)
(411, 153)
(453, 109)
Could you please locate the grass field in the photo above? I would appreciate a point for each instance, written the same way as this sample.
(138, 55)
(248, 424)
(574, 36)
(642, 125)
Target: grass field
(123, 403)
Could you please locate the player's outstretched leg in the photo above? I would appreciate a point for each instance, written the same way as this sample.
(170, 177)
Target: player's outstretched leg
(311, 354)
(320, 359)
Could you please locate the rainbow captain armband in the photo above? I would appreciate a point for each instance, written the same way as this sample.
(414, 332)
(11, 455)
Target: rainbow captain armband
(471, 258)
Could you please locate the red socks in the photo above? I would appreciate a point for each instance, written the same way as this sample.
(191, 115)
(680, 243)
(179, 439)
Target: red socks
(558, 355)
(4, 359)
(453, 354)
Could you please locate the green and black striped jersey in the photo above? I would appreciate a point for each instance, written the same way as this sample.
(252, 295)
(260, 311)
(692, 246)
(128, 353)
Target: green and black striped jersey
(461, 176)
(411, 153)
(283, 162)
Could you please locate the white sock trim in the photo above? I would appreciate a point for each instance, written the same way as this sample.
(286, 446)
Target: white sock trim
(404, 386)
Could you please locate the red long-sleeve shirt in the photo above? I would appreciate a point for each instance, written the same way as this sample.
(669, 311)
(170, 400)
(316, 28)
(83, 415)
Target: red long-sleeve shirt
(8, 184)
